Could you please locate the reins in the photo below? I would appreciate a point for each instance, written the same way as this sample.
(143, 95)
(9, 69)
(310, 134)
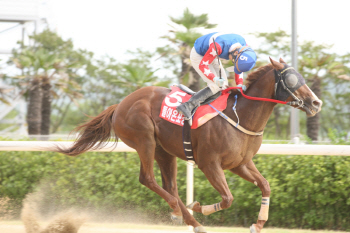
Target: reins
(296, 101)
(254, 98)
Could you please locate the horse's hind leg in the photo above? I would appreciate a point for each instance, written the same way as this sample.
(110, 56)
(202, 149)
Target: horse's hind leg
(136, 129)
(146, 153)
(168, 167)
(250, 173)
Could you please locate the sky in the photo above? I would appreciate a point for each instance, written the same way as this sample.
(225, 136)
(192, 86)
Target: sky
(111, 27)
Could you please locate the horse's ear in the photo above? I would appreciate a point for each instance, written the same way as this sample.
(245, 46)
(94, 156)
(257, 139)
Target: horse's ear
(282, 61)
(276, 65)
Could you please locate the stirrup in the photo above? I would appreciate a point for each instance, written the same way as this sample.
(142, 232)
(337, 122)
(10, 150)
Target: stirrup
(184, 108)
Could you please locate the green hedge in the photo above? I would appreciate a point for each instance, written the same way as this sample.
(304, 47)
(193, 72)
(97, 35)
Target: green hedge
(306, 191)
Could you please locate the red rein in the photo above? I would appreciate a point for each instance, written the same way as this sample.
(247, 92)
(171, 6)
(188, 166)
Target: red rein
(254, 98)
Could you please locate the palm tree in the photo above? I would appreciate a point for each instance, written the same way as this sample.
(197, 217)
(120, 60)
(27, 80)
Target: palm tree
(184, 41)
(49, 67)
(322, 70)
(137, 73)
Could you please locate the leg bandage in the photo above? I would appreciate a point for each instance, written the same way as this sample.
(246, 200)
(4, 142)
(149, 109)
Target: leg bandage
(209, 209)
(264, 209)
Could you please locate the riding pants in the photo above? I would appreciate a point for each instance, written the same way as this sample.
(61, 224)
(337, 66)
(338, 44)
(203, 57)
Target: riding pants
(214, 68)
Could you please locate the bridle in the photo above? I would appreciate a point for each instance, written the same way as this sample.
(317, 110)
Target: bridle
(290, 81)
(289, 73)
(282, 92)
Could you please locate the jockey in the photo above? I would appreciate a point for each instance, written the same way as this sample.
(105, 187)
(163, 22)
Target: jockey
(203, 59)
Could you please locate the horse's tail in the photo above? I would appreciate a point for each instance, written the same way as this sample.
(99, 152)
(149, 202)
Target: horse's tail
(93, 134)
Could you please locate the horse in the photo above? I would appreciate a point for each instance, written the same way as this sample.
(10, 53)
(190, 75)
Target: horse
(217, 146)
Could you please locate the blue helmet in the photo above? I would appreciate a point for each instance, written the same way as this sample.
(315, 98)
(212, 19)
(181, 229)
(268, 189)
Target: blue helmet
(245, 60)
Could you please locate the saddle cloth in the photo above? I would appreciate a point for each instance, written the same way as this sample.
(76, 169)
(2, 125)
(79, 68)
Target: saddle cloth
(203, 114)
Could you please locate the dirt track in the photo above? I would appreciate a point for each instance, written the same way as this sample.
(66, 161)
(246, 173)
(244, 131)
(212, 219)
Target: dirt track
(99, 228)
(86, 229)
(18, 227)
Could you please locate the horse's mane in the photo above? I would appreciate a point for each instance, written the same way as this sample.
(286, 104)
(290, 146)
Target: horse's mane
(252, 77)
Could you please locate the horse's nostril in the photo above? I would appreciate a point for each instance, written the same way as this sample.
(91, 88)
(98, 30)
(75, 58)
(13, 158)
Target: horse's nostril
(317, 103)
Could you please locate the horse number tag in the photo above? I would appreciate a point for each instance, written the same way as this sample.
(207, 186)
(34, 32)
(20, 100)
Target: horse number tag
(177, 95)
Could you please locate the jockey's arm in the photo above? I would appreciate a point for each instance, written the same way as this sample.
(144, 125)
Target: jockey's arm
(239, 78)
(207, 59)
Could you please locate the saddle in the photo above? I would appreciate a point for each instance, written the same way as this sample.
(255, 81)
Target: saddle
(201, 114)
(207, 101)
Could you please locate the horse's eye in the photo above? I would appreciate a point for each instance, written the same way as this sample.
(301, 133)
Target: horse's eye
(291, 80)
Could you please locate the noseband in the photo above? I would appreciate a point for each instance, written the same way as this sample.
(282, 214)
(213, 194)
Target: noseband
(294, 81)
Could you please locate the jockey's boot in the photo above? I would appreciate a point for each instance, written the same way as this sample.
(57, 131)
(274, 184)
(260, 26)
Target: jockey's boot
(198, 98)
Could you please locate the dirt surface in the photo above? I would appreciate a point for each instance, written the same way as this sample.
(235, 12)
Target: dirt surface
(17, 227)
(88, 227)
(20, 229)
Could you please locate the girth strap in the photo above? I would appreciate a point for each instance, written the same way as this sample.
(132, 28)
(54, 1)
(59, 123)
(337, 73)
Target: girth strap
(187, 142)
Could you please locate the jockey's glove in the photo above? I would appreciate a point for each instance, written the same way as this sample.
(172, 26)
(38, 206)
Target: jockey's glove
(244, 88)
(219, 81)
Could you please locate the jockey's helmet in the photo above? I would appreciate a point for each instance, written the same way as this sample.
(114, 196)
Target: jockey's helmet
(245, 59)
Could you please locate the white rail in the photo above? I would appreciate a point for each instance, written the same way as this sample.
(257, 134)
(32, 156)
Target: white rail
(48, 145)
(296, 149)
(273, 149)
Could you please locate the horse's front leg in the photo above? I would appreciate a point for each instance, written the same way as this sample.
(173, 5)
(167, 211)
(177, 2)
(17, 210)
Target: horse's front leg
(217, 179)
(250, 173)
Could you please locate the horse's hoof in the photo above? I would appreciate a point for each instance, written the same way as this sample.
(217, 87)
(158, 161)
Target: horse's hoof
(199, 229)
(190, 206)
(253, 229)
(178, 220)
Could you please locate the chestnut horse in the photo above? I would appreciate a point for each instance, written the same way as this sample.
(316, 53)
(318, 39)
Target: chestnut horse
(217, 146)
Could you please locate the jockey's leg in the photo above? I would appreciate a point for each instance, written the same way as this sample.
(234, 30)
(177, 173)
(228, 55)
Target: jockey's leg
(187, 108)
(195, 61)
(168, 167)
(217, 179)
(250, 173)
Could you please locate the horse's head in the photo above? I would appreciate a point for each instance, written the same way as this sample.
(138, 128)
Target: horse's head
(290, 86)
